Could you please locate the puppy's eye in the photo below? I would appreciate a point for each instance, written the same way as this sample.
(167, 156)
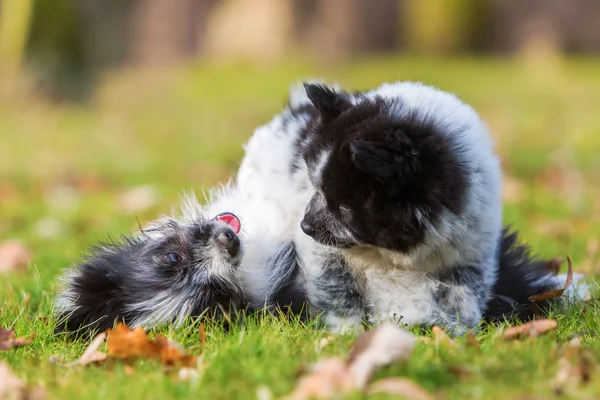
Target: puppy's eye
(173, 258)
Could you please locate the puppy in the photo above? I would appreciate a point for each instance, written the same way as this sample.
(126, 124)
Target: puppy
(172, 270)
(392, 199)
(406, 188)
(200, 262)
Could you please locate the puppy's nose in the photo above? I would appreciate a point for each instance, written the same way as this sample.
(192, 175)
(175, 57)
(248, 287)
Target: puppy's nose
(228, 239)
(307, 228)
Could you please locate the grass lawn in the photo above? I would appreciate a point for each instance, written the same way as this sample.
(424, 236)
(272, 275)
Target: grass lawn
(64, 170)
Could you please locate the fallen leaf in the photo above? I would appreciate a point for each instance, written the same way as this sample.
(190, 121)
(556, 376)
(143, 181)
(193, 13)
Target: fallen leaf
(10, 385)
(460, 371)
(531, 329)
(570, 371)
(403, 387)
(91, 354)
(553, 294)
(440, 336)
(126, 343)
(202, 333)
(378, 347)
(12, 388)
(328, 378)
(128, 370)
(8, 340)
(333, 377)
(472, 340)
(14, 256)
(172, 354)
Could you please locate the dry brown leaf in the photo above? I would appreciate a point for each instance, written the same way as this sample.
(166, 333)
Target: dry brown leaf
(460, 371)
(8, 340)
(440, 337)
(91, 354)
(402, 387)
(12, 388)
(553, 294)
(128, 370)
(333, 377)
(531, 329)
(126, 343)
(10, 385)
(202, 333)
(14, 256)
(472, 340)
(328, 378)
(574, 367)
(380, 346)
(171, 353)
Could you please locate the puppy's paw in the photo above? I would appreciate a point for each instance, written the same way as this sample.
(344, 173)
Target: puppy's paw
(343, 324)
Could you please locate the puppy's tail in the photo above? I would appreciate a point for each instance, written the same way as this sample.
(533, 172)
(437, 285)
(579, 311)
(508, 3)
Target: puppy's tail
(520, 276)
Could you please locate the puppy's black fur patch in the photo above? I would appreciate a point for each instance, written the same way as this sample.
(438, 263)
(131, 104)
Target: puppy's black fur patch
(390, 166)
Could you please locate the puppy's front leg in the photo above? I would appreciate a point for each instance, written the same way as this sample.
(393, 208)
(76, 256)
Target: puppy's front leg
(460, 298)
(334, 290)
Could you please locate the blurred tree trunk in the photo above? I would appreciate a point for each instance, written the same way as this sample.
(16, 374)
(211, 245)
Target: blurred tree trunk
(15, 19)
(143, 32)
(560, 25)
(442, 26)
(523, 25)
(342, 28)
(106, 31)
(166, 32)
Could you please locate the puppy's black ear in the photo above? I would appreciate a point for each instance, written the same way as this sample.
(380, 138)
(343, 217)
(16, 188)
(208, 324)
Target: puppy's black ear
(327, 101)
(391, 167)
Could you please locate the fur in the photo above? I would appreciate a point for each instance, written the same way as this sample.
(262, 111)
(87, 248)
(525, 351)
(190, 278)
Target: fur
(381, 205)
(404, 194)
(172, 270)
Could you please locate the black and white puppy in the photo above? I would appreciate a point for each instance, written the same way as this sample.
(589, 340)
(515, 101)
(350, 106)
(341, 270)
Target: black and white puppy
(403, 210)
(170, 271)
(189, 265)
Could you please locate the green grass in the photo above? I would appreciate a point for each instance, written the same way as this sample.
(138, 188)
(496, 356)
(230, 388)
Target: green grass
(184, 130)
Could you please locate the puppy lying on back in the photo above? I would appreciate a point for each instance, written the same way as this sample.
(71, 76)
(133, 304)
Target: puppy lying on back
(175, 269)
(202, 262)
(171, 270)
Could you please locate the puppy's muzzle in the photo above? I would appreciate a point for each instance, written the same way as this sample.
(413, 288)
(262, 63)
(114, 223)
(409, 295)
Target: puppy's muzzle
(229, 240)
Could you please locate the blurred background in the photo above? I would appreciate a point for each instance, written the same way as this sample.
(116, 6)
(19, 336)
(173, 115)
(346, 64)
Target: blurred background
(110, 108)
